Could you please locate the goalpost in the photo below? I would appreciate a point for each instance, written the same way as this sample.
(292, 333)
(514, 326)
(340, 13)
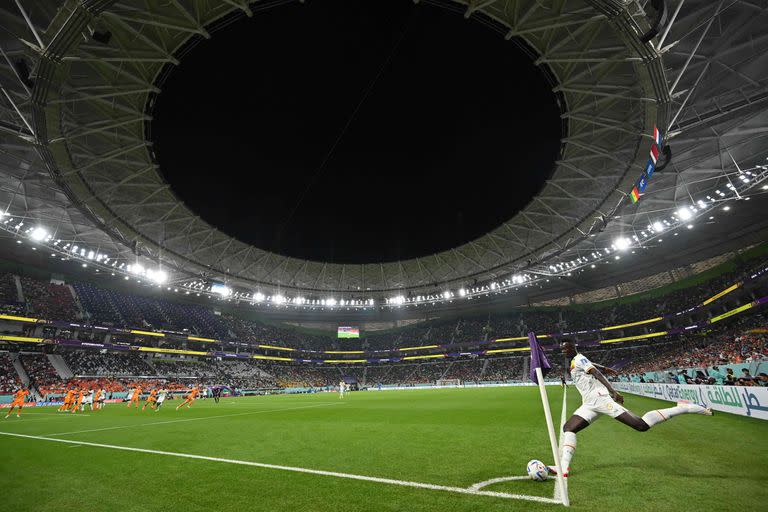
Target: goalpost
(448, 382)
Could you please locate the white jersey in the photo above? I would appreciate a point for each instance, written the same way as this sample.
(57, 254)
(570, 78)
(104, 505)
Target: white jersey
(88, 399)
(590, 388)
(103, 395)
(161, 398)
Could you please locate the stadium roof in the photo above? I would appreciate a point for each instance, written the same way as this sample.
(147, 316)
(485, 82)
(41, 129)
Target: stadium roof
(80, 79)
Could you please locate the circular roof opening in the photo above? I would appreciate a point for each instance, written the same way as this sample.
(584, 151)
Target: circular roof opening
(356, 132)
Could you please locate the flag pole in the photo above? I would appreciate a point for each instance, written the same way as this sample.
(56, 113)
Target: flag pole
(562, 415)
(552, 438)
(562, 424)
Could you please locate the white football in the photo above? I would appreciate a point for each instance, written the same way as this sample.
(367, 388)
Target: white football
(537, 470)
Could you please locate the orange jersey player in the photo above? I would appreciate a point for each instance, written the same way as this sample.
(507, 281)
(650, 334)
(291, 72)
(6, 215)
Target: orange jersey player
(18, 401)
(96, 399)
(151, 399)
(190, 398)
(67, 400)
(135, 397)
(77, 402)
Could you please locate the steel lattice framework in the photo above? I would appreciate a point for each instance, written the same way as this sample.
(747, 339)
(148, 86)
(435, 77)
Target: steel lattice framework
(76, 156)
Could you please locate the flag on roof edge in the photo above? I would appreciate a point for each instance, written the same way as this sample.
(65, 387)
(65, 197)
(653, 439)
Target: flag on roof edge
(654, 153)
(649, 168)
(642, 183)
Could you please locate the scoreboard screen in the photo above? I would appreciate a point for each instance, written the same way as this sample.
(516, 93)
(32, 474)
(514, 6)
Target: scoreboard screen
(349, 332)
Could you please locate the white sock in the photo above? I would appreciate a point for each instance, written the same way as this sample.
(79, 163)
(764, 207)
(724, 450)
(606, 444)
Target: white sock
(569, 446)
(661, 415)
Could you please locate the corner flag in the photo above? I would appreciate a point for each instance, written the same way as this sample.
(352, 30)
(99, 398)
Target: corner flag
(539, 366)
(538, 359)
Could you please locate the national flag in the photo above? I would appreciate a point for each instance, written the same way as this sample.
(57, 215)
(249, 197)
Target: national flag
(656, 136)
(649, 168)
(538, 359)
(654, 153)
(642, 183)
(634, 195)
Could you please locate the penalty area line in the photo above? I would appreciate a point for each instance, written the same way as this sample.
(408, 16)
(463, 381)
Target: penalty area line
(185, 420)
(65, 415)
(293, 469)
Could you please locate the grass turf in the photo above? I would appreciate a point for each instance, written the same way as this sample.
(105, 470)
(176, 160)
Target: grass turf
(451, 437)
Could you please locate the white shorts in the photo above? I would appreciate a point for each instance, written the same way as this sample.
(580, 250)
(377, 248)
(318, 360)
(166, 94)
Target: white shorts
(600, 405)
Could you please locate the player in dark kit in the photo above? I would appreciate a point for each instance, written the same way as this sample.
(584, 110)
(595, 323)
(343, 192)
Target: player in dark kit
(216, 394)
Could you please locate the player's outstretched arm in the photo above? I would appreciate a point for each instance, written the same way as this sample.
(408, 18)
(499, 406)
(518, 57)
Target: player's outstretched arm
(618, 397)
(606, 369)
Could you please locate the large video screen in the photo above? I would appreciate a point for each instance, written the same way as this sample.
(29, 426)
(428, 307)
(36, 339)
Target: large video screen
(349, 332)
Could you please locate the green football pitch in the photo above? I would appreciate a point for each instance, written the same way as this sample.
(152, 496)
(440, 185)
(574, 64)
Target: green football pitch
(420, 450)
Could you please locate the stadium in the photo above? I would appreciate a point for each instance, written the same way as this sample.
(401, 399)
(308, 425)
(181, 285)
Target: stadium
(386, 255)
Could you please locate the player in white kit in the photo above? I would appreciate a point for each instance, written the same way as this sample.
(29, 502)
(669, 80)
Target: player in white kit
(598, 397)
(160, 399)
(342, 387)
(87, 400)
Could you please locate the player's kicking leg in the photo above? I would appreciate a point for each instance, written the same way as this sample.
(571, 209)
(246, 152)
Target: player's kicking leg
(656, 416)
(578, 422)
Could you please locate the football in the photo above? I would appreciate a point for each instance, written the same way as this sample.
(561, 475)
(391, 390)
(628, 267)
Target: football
(537, 470)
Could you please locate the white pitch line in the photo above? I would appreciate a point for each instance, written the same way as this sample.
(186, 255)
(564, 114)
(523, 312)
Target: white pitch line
(15, 421)
(390, 481)
(262, 411)
(65, 415)
(486, 483)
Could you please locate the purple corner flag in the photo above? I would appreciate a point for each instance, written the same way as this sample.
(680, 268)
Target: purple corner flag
(538, 359)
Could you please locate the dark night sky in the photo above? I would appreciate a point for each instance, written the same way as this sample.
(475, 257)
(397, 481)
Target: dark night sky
(442, 130)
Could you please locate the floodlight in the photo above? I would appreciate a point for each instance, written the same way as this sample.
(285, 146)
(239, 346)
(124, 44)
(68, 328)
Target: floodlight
(38, 234)
(621, 243)
(684, 213)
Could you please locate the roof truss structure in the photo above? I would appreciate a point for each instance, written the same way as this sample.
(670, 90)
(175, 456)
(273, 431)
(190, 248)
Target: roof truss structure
(76, 155)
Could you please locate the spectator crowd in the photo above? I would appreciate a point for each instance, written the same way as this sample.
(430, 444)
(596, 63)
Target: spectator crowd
(678, 358)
